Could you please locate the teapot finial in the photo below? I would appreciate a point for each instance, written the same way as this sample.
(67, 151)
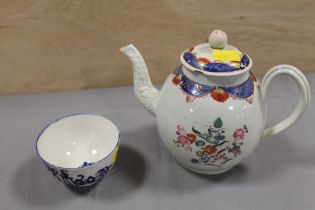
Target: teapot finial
(217, 39)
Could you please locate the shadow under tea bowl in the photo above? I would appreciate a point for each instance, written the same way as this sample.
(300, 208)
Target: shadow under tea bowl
(79, 149)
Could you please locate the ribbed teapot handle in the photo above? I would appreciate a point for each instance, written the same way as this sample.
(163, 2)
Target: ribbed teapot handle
(305, 95)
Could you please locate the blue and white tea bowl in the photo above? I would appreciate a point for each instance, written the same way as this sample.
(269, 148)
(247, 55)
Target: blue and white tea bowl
(79, 149)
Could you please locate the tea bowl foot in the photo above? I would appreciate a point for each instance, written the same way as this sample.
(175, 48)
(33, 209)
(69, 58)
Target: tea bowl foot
(205, 171)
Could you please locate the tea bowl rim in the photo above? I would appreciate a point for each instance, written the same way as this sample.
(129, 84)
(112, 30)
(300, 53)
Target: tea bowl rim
(72, 115)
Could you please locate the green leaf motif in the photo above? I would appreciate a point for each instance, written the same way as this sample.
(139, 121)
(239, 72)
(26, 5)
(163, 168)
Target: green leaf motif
(227, 160)
(221, 143)
(218, 123)
(222, 150)
(197, 133)
(200, 153)
(200, 143)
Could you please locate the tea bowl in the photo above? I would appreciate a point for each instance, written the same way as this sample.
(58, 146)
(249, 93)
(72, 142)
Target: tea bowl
(79, 149)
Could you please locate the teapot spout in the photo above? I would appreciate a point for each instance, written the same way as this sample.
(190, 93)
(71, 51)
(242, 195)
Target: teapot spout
(146, 93)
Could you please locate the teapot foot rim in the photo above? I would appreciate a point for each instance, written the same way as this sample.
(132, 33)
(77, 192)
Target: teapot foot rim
(204, 171)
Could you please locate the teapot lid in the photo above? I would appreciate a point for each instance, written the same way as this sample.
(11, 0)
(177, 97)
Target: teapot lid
(216, 56)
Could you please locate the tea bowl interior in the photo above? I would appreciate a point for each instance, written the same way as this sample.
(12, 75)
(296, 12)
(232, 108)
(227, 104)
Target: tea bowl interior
(77, 141)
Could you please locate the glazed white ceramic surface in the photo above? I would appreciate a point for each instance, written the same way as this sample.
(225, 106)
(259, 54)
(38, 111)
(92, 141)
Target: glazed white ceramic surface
(210, 134)
(200, 114)
(79, 149)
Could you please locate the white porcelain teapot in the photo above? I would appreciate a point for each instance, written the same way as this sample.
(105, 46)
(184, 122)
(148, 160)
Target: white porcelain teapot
(211, 110)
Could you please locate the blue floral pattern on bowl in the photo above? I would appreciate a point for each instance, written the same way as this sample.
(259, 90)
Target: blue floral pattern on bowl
(86, 164)
(80, 180)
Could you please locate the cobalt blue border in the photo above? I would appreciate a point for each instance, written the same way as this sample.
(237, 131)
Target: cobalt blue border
(71, 115)
(215, 67)
(193, 88)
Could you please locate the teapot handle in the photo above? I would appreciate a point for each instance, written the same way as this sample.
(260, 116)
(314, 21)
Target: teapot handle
(305, 95)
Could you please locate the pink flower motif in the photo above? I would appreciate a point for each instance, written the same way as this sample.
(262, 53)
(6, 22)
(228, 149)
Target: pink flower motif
(239, 134)
(181, 130)
(182, 140)
(219, 157)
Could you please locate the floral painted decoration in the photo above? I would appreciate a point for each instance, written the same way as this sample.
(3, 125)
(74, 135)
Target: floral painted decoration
(194, 90)
(211, 147)
(184, 139)
(80, 180)
(86, 164)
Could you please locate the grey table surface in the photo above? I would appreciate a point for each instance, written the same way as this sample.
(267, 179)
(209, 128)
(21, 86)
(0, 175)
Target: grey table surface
(280, 174)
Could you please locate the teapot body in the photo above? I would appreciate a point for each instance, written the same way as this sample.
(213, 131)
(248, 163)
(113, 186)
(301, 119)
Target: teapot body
(210, 129)
(211, 111)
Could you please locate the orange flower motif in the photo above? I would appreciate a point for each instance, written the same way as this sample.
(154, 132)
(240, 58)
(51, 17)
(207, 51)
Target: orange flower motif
(176, 80)
(203, 61)
(209, 149)
(219, 95)
(252, 76)
(192, 138)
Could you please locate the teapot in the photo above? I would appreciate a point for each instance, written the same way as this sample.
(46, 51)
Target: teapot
(211, 110)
